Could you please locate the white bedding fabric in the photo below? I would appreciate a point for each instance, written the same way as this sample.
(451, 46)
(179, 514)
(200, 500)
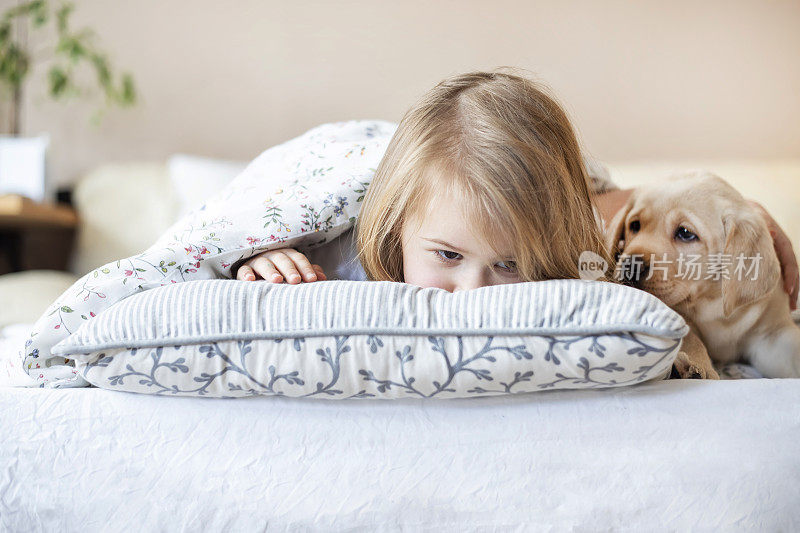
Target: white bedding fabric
(661, 456)
(11, 372)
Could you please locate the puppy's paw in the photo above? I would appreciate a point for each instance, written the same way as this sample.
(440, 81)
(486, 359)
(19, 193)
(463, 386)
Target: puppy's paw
(685, 368)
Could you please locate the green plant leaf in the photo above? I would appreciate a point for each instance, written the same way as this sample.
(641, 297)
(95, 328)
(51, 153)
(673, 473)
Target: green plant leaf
(39, 14)
(62, 16)
(13, 65)
(5, 33)
(59, 81)
(101, 67)
(128, 90)
(72, 47)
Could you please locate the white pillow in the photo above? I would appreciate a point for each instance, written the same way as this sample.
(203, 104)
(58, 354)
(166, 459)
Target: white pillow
(196, 179)
(124, 208)
(365, 339)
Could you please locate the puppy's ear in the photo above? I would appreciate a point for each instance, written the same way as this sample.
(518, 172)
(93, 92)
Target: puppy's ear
(615, 230)
(747, 237)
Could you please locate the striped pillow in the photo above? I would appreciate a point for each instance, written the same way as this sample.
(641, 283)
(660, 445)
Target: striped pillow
(361, 339)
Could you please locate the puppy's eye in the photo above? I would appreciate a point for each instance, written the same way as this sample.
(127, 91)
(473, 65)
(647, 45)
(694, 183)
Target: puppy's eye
(634, 226)
(684, 235)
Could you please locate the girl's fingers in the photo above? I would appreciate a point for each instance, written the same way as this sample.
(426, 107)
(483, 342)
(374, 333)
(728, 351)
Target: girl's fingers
(284, 265)
(302, 264)
(278, 265)
(320, 274)
(266, 269)
(245, 273)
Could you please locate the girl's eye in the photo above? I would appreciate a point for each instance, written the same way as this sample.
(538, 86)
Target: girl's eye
(634, 226)
(507, 266)
(683, 234)
(447, 256)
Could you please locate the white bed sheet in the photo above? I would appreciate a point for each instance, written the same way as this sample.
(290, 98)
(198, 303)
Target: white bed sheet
(669, 455)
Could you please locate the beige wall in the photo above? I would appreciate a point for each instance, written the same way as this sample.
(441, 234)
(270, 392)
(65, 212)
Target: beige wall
(645, 79)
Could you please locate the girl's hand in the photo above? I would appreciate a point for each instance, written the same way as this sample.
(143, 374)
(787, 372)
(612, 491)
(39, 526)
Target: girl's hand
(786, 256)
(276, 265)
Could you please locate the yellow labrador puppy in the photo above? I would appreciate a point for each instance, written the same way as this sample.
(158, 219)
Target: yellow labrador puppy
(695, 243)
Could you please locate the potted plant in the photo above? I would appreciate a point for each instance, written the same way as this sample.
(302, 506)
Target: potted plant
(64, 52)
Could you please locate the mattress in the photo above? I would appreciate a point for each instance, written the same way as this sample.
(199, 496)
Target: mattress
(666, 455)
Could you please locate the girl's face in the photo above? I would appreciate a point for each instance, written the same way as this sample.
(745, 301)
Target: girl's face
(444, 253)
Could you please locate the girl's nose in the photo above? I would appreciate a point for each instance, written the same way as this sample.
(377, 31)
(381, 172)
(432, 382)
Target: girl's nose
(472, 280)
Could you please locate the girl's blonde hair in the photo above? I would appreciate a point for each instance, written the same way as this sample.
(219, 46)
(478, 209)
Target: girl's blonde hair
(510, 151)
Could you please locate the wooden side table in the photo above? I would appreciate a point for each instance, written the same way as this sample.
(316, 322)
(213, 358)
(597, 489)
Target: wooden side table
(35, 236)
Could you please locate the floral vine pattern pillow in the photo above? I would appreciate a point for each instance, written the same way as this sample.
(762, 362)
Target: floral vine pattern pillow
(383, 340)
(302, 193)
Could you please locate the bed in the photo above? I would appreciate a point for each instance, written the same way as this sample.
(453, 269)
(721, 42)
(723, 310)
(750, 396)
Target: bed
(669, 455)
(664, 455)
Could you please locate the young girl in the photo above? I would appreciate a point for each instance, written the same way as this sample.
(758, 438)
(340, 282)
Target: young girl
(483, 183)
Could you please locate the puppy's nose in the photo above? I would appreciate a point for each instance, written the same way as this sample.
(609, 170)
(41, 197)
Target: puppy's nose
(633, 270)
